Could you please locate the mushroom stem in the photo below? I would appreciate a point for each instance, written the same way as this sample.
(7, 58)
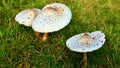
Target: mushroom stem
(45, 37)
(37, 34)
(84, 60)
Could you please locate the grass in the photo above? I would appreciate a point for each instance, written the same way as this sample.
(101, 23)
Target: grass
(19, 48)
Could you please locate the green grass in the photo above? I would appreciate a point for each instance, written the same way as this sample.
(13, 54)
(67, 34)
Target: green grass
(19, 48)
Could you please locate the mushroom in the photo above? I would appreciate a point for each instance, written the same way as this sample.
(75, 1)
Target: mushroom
(27, 16)
(86, 42)
(52, 17)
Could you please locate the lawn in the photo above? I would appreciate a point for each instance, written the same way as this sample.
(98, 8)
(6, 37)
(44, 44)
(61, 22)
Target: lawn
(19, 48)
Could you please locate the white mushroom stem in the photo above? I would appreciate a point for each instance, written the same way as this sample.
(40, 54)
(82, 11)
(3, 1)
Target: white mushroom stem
(45, 37)
(37, 34)
(84, 60)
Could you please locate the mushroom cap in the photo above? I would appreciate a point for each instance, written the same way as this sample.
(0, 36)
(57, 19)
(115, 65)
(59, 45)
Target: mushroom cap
(95, 41)
(52, 17)
(27, 16)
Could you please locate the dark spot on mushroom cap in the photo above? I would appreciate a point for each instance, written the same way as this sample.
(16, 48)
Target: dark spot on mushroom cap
(99, 40)
(45, 19)
(63, 10)
(58, 20)
(97, 44)
(89, 47)
(52, 21)
(102, 34)
(30, 14)
(28, 17)
(48, 15)
(83, 49)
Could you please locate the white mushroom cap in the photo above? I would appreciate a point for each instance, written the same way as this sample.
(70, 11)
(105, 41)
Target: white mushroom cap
(26, 17)
(53, 17)
(86, 42)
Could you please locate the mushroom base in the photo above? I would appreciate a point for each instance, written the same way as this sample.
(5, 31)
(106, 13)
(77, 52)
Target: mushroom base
(43, 38)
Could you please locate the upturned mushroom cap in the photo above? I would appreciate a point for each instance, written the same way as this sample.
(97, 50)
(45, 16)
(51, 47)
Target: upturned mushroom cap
(27, 16)
(86, 42)
(53, 17)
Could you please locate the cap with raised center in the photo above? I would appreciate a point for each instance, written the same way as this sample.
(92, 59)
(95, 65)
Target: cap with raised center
(86, 42)
(27, 16)
(52, 17)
